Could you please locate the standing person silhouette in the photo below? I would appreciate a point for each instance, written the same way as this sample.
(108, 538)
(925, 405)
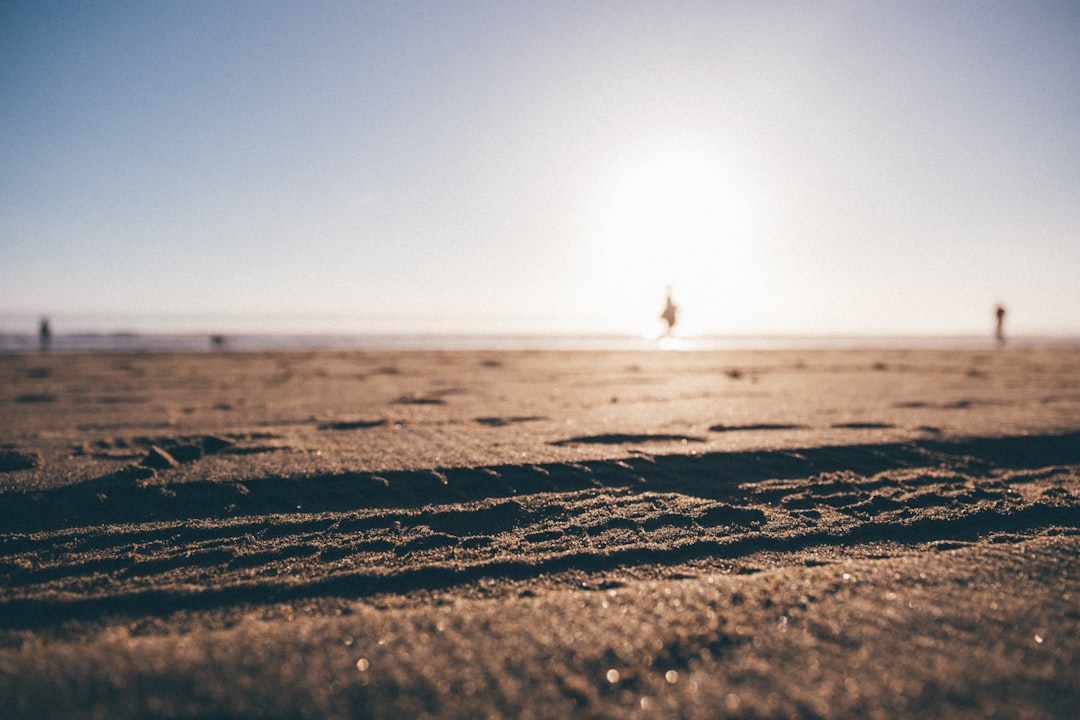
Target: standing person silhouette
(44, 335)
(670, 313)
(999, 328)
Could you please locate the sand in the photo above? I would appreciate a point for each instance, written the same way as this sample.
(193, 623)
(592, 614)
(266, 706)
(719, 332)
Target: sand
(811, 533)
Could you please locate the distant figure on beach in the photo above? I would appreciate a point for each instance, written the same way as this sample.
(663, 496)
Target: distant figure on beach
(44, 335)
(217, 342)
(999, 328)
(671, 311)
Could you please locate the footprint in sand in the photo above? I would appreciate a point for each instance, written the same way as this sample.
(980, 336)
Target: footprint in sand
(166, 452)
(171, 452)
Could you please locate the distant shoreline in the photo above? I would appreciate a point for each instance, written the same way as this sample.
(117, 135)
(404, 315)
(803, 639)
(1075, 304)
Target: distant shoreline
(125, 341)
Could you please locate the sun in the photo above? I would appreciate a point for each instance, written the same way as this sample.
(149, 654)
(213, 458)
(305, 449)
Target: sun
(673, 220)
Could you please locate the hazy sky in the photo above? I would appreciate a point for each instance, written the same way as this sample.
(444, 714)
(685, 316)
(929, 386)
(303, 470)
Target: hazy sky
(788, 167)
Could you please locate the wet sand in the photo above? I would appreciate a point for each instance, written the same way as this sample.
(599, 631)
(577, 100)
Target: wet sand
(811, 533)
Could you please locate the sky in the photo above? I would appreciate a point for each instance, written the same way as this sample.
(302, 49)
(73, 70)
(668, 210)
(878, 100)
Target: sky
(843, 168)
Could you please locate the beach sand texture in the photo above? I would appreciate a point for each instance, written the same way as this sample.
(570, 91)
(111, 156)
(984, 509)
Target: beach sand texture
(810, 533)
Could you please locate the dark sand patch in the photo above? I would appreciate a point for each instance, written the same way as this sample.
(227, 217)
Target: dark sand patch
(122, 399)
(502, 421)
(419, 400)
(352, 424)
(626, 439)
(756, 426)
(953, 405)
(35, 398)
(11, 460)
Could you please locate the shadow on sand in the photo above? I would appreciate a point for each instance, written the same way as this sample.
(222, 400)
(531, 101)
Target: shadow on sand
(347, 529)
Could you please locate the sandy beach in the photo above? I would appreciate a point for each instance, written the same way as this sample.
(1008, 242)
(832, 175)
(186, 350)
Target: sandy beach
(786, 533)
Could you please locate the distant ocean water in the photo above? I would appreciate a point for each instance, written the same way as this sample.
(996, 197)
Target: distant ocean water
(262, 342)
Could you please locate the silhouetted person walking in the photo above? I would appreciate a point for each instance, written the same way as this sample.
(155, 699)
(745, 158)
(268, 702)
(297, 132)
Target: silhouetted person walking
(44, 335)
(671, 311)
(999, 328)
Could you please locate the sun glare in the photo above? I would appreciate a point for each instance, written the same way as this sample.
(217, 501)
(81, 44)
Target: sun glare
(674, 221)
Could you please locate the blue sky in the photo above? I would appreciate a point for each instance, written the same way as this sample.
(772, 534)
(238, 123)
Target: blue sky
(826, 167)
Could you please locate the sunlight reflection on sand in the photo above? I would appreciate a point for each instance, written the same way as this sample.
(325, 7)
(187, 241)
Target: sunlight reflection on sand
(672, 343)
